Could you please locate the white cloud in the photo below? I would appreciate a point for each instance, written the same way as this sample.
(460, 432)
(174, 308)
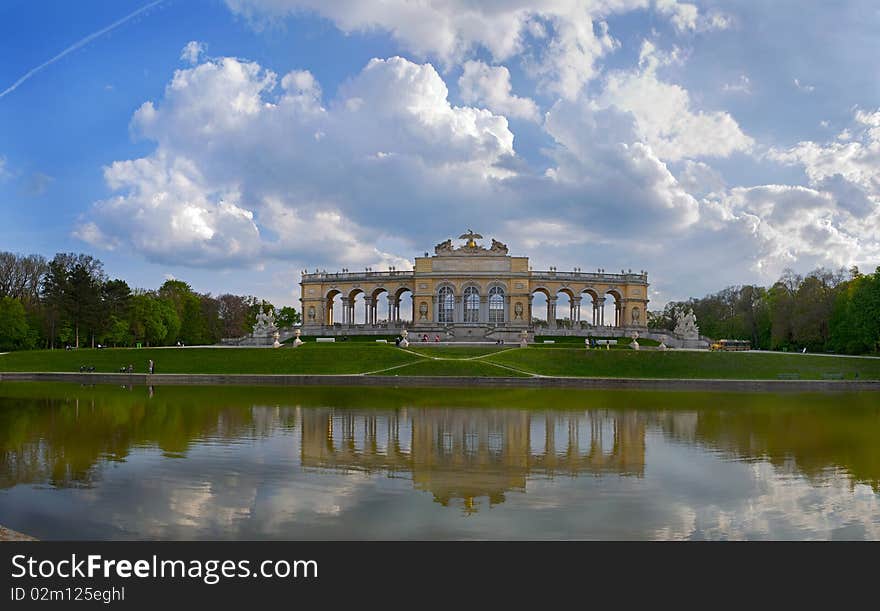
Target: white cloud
(664, 113)
(855, 156)
(804, 87)
(192, 52)
(741, 85)
(490, 85)
(685, 16)
(239, 172)
(572, 34)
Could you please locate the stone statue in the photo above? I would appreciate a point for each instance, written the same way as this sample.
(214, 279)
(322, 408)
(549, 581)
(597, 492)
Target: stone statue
(498, 247)
(523, 338)
(443, 247)
(518, 311)
(635, 343)
(297, 342)
(265, 324)
(404, 342)
(276, 343)
(686, 325)
(636, 317)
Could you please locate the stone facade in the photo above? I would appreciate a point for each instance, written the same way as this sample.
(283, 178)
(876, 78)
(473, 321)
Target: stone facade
(471, 292)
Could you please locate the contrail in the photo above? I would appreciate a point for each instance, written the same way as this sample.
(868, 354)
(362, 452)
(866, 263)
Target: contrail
(77, 45)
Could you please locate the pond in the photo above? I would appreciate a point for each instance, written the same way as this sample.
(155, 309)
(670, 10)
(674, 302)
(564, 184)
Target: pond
(106, 462)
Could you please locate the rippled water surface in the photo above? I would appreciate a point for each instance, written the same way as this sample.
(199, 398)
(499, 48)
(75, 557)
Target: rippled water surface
(336, 463)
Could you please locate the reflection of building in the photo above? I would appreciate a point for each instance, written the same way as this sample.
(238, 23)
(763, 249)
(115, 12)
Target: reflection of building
(457, 454)
(472, 290)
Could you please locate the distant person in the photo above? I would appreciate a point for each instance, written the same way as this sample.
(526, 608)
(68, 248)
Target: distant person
(804, 351)
(587, 343)
(151, 366)
(397, 341)
(436, 338)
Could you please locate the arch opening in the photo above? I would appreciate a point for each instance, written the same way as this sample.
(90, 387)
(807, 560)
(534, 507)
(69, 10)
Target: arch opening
(445, 305)
(471, 303)
(496, 305)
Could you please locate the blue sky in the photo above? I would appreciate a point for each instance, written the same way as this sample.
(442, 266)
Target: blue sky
(710, 143)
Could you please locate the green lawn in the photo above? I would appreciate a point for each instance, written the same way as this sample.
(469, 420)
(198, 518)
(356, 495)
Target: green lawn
(308, 358)
(452, 367)
(363, 357)
(683, 364)
(456, 352)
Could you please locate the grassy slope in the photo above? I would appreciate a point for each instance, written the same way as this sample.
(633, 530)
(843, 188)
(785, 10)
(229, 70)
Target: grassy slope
(308, 358)
(452, 367)
(347, 358)
(683, 364)
(455, 352)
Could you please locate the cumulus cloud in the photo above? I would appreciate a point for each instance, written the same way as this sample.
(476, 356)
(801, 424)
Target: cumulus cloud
(249, 166)
(490, 86)
(854, 159)
(685, 16)
(192, 52)
(664, 113)
(559, 41)
(245, 168)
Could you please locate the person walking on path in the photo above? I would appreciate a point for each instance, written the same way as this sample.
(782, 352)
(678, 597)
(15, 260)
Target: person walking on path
(151, 367)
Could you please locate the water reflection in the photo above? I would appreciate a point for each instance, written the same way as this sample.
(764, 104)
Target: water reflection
(466, 454)
(189, 463)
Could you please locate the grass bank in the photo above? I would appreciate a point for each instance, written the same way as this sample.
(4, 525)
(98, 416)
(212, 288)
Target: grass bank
(686, 364)
(489, 361)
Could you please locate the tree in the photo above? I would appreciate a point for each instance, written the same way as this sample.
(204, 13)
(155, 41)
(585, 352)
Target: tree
(15, 334)
(233, 312)
(287, 317)
(71, 289)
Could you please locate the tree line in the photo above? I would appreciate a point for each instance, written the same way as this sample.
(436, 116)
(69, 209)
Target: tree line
(70, 301)
(823, 311)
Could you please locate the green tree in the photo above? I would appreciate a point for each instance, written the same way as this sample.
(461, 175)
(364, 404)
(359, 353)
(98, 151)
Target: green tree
(287, 317)
(71, 289)
(15, 333)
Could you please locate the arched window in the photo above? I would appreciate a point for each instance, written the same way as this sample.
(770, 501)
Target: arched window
(445, 305)
(471, 304)
(496, 304)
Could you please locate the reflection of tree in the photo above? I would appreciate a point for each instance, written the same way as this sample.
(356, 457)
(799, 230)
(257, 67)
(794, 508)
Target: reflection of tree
(818, 432)
(60, 433)
(61, 440)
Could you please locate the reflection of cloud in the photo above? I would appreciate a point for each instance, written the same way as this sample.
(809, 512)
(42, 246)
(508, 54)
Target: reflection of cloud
(258, 469)
(785, 505)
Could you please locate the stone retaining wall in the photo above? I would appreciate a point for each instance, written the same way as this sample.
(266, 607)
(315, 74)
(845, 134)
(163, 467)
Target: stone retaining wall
(141, 379)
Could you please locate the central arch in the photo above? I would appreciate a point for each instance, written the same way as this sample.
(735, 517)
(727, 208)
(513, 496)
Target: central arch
(471, 304)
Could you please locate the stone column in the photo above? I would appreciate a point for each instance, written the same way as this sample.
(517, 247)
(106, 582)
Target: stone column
(551, 312)
(601, 311)
(458, 311)
(368, 310)
(345, 310)
(484, 309)
(435, 304)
